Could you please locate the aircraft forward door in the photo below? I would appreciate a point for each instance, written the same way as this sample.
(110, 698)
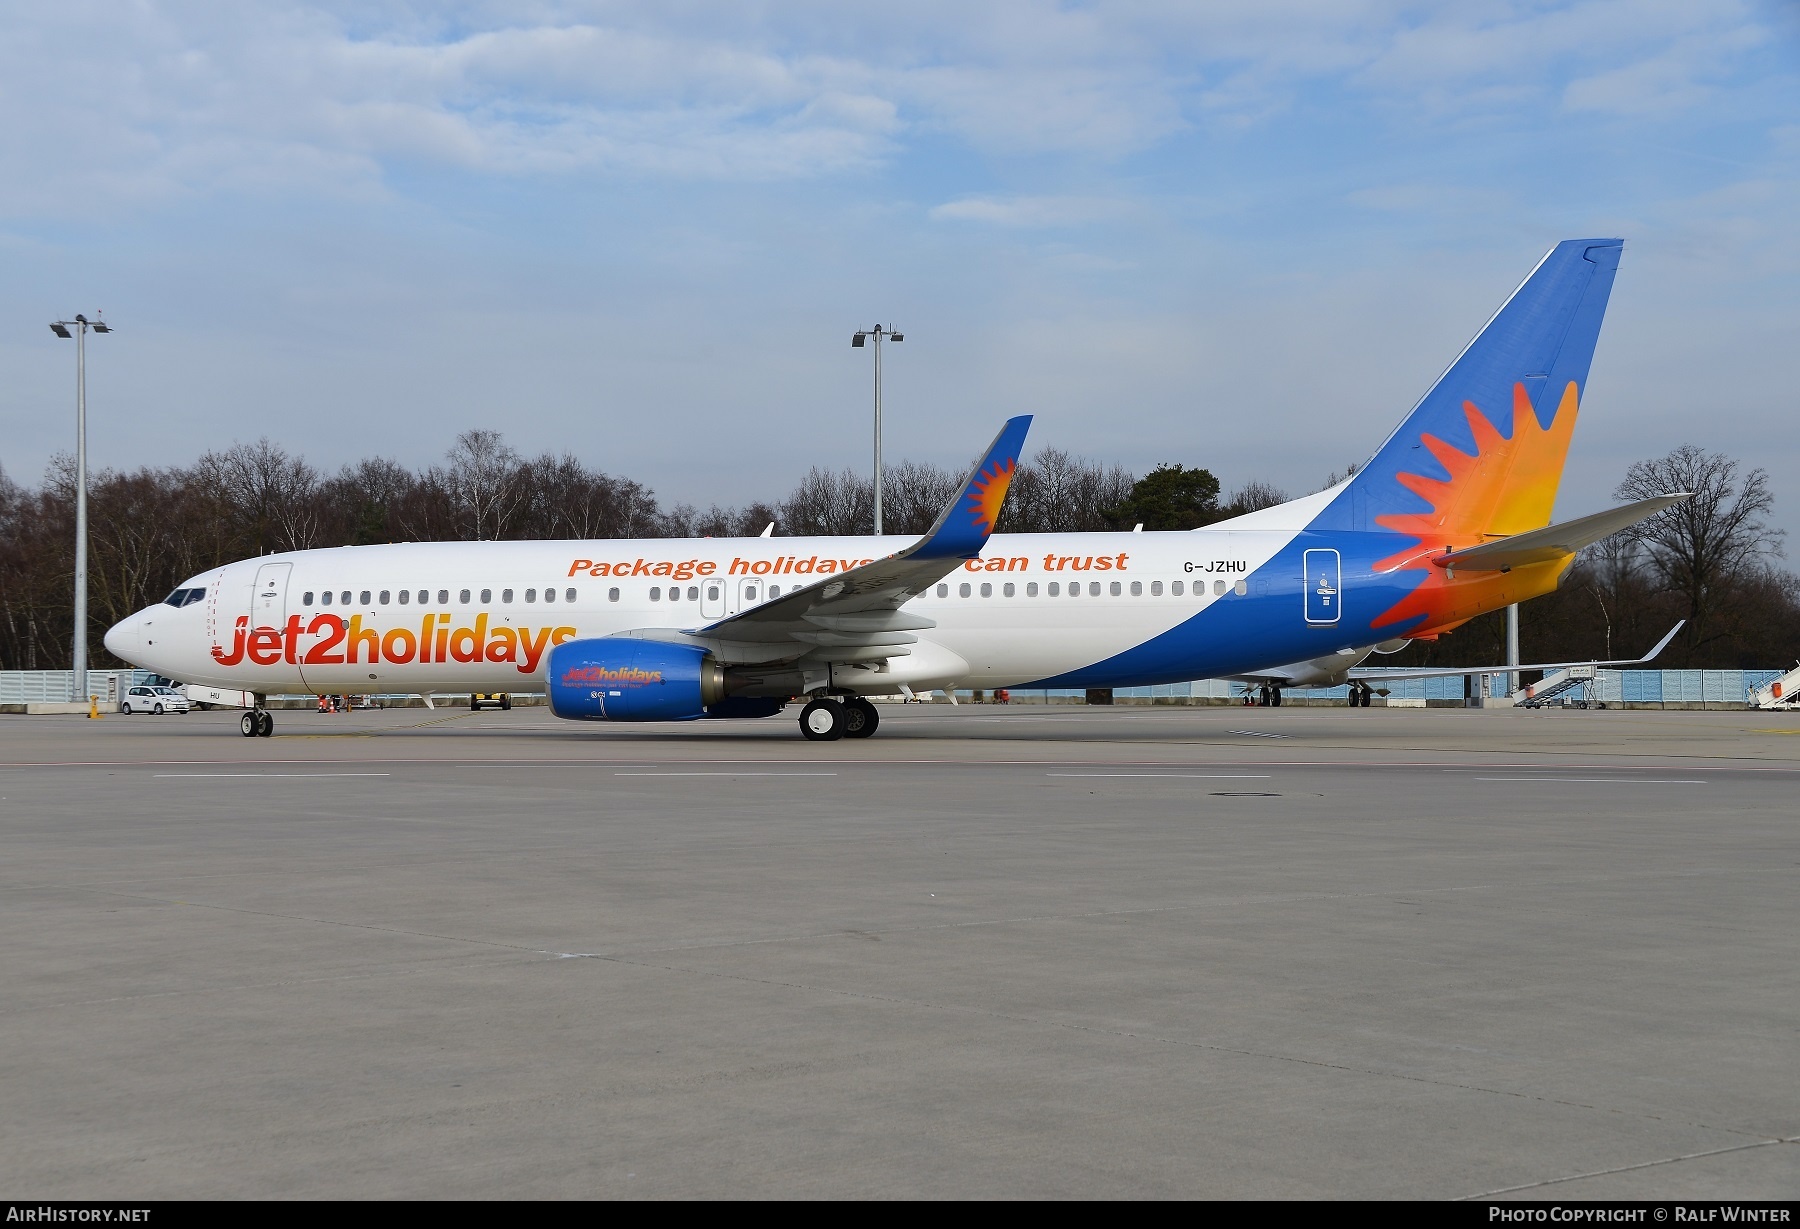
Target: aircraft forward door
(268, 613)
(268, 601)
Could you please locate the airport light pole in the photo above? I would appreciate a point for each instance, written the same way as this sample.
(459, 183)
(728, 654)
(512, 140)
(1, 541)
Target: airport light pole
(1512, 648)
(78, 329)
(857, 341)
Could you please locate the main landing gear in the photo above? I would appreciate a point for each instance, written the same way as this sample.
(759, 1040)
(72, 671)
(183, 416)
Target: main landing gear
(257, 723)
(826, 719)
(1360, 695)
(1270, 697)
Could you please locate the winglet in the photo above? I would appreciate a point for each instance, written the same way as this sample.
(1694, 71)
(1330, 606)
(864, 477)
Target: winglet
(1660, 644)
(966, 522)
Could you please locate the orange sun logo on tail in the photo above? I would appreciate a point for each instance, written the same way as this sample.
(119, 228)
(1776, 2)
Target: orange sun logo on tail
(988, 492)
(1506, 486)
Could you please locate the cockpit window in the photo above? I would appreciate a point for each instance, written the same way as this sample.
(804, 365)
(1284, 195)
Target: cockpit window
(184, 597)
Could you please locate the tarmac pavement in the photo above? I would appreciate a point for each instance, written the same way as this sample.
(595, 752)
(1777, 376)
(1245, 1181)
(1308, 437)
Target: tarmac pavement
(1046, 952)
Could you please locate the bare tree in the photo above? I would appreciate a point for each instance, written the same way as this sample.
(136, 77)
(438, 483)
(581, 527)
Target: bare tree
(1253, 496)
(1703, 545)
(912, 495)
(562, 498)
(829, 503)
(1056, 492)
(483, 481)
(263, 492)
(364, 502)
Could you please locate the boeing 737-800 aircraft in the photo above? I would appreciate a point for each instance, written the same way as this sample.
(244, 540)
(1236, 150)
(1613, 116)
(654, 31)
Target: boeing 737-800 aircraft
(1447, 521)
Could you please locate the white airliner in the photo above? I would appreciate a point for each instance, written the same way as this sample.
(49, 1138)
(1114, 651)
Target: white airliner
(1447, 521)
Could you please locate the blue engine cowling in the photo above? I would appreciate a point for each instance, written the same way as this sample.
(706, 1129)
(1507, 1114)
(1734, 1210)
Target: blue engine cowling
(616, 678)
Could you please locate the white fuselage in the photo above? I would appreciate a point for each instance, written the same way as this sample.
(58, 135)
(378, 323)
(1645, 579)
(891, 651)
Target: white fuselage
(479, 616)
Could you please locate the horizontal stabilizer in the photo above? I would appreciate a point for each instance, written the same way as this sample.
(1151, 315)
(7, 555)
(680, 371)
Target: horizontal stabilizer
(1377, 675)
(1555, 541)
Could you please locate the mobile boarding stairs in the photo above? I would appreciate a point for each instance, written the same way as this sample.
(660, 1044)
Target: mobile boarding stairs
(1571, 683)
(1783, 692)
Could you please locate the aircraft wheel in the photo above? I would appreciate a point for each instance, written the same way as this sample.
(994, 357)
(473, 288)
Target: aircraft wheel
(265, 724)
(249, 724)
(506, 702)
(860, 718)
(823, 721)
(1276, 693)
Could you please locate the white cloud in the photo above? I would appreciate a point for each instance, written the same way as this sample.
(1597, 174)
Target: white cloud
(163, 98)
(1033, 211)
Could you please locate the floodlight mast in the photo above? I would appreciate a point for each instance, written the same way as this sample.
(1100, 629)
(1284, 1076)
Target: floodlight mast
(78, 329)
(856, 341)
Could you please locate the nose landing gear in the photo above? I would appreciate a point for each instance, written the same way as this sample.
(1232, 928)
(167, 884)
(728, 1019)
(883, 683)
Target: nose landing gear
(257, 723)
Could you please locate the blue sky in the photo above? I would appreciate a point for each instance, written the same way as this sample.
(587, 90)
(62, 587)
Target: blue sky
(1240, 235)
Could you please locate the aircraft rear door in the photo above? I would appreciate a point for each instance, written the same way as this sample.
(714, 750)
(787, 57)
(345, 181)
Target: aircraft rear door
(1324, 585)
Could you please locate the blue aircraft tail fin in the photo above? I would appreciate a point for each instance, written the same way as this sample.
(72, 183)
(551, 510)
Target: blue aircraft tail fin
(1482, 453)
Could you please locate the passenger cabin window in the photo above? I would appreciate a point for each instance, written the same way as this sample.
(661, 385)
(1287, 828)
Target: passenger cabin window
(612, 595)
(346, 600)
(963, 590)
(463, 597)
(487, 595)
(1175, 588)
(531, 595)
(943, 590)
(384, 597)
(987, 590)
(1031, 589)
(1117, 588)
(444, 597)
(405, 596)
(549, 595)
(656, 593)
(305, 598)
(325, 598)
(365, 598)
(1155, 588)
(1242, 587)
(568, 595)
(424, 596)
(1007, 590)
(693, 593)
(1218, 588)
(1055, 590)
(1137, 588)
(506, 597)
(774, 592)
(750, 592)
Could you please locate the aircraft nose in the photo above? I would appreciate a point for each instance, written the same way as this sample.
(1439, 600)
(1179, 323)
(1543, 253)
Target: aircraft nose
(124, 638)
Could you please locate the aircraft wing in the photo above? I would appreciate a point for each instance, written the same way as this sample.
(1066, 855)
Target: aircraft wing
(1554, 541)
(1369, 675)
(858, 612)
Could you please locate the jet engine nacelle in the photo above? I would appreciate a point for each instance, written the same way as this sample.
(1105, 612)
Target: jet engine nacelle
(616, 678)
